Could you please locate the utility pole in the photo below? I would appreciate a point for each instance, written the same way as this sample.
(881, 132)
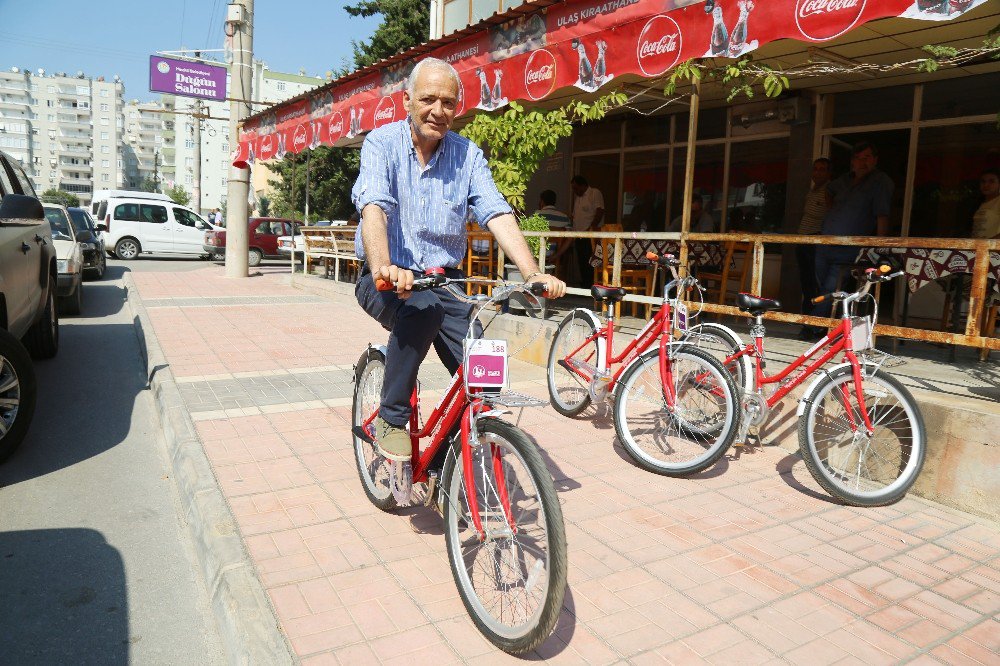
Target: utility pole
(156, 170)
(239, 28)
(196, 175)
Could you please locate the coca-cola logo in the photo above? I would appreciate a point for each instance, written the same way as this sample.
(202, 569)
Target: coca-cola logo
(540, 74)
(822, 20)
(659, 45)
(335, 129)
(385, 112)
(267, 146)
(300, 139)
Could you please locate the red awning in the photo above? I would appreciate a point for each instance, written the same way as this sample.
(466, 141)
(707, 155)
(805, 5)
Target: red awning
(576, 43)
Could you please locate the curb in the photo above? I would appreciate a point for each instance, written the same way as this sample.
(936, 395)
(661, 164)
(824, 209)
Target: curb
(246, 620)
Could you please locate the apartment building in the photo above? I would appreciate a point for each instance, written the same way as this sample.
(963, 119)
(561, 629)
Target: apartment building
(65, 130)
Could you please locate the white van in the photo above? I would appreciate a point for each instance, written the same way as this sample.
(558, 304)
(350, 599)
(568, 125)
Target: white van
(104, 195)
(136, 225)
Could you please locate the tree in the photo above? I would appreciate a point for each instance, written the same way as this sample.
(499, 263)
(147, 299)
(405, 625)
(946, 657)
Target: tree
(264, 205)
(333, 172)
(405, 23)
(148, 185)
(179, 195)
(55, 196)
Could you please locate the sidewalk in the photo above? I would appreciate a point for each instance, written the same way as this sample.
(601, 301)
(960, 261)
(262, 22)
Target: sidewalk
(747, 563)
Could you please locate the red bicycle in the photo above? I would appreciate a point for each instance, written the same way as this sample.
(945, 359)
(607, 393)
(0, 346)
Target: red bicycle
(675, 407)
(503, 524)
(861, 433)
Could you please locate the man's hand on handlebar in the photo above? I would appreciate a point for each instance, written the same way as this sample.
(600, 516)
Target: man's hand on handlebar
(554, 287)
(394, 275)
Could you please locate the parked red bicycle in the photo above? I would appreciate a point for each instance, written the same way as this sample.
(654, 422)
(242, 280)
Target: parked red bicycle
(503, 524)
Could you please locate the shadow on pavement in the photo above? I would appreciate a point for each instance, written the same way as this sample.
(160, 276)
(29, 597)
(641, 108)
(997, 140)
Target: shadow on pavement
(718, 469)
(562, 634)
(786, 469)
(63, 597)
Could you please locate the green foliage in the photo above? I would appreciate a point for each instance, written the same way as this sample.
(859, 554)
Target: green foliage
(405, 23)
(517, 140)
(740, 77)
(180, 196)
(533, 222)
(264, 205)
(148, 185)
(333, 172)
(55, 196)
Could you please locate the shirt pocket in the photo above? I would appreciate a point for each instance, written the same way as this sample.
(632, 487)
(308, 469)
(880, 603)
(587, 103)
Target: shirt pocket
(454, 215)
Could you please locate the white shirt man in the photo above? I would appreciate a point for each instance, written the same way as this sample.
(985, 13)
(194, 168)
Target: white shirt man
(587, 203)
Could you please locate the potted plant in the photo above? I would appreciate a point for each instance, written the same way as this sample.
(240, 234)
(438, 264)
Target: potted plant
(533, 222)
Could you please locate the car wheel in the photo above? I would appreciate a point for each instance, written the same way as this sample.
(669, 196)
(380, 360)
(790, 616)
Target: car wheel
(17, 393)
(73, 304)
(256, 256)
(102, 267)
(42, 339)
(127, 248)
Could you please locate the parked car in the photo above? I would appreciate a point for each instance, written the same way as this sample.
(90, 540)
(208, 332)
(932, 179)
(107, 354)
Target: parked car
(91, 242)
(29, 321)
(285, 243)
(69, 259)
(263, 238)
(135, 225)
(101, 196)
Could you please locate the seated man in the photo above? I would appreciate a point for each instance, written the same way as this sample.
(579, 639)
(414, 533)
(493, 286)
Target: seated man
(558, 221)
(701, 220)
(418, 184)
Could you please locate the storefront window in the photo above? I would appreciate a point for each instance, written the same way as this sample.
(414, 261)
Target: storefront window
(644, 191)
(456, 15)
(709, 167)
(598, 136)
(601, 171)
(946, 182)
(758, 173)
(966, 96)
(711, 124)
(893, 147)
(876, 105)
(647, 131)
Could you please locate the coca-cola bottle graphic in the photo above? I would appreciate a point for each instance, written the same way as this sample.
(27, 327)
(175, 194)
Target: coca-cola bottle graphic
(351, 133)
(586, 70)
(720, 35)
(933, 6)
(497, 94)
(485, 94)
(959, 6)
(738, 40)
(600, 66)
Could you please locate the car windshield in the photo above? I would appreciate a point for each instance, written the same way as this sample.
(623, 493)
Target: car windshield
(61, 228)
(81, 220)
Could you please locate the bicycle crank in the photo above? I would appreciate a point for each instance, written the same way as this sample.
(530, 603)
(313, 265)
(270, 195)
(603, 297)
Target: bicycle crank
(753, 412)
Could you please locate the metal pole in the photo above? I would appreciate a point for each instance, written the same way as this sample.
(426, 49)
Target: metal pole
(241, 72)
(689, 174)
(308, 165)
(196, 175)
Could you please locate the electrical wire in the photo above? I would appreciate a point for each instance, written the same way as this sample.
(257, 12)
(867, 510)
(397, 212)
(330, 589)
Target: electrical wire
(211, 22)
(183, 12)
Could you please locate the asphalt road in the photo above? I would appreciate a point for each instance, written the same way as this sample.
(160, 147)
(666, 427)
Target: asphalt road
(96, 565)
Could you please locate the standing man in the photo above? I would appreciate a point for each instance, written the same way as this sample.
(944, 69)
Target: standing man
(418, 184)
(558, 221)
(859, 204)
(811, 224)
(588, 215)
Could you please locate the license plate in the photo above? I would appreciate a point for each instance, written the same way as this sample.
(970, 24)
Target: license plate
(681, 317)
(486, 363)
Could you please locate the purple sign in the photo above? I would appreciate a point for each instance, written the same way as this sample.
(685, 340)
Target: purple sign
(186, 78)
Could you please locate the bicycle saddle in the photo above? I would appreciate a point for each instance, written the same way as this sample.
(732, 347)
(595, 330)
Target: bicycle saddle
(755, 305)
(610, 294)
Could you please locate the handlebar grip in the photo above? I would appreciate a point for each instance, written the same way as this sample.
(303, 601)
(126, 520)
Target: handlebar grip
(384, 285)
(820, 299)
(537, 288)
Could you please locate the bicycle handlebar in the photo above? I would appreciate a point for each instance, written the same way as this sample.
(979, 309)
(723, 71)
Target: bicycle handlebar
(439, 280)
(871, 275)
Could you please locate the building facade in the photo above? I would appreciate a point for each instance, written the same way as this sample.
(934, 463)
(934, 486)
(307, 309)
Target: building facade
(65, 130)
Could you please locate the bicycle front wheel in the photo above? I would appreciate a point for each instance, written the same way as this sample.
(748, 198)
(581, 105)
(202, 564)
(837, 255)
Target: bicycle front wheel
(569, 392)
(856, 468)
(513, 582)
(373, 469)
(688, 435)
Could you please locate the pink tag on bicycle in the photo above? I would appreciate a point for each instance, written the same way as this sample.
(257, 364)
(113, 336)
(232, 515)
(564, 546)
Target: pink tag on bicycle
(486, 363)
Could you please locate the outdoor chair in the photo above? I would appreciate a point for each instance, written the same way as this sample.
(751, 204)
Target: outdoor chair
(735, 267)
(480, 258)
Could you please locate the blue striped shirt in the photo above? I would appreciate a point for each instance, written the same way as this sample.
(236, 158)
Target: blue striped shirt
(426, 207)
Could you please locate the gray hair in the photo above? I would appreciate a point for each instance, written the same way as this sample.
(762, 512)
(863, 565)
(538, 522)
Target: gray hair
(433, 63)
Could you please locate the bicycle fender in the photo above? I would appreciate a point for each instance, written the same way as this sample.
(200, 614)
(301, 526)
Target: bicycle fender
(820, 376)
(369, 350)
(602, 346)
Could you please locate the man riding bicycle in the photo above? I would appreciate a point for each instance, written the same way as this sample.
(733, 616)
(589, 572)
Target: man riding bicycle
(418, 184)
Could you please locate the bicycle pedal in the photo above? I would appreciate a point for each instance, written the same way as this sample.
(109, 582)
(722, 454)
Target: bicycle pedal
(401, 482)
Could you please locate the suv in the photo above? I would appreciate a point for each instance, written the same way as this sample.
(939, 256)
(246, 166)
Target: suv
(27, 300)
(135, 225)
(263, 238)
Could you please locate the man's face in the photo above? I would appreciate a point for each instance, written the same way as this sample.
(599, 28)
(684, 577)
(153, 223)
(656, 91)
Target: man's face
(696, 207)
(821, 173)
(989, 185)
(432, 107)
(578, 189)
(863, 163)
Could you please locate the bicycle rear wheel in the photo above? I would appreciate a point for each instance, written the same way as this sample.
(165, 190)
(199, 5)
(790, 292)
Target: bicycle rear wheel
(723, 343)
(568, 391)
(855, 468)
(696, 431)
(373, 469)
(512, 584)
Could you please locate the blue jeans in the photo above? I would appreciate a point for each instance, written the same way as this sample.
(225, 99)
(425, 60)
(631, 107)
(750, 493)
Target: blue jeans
(829, 261)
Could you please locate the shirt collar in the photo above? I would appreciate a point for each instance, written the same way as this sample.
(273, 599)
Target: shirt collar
(408, 134)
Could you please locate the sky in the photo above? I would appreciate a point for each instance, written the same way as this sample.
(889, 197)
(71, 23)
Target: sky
(108, 37)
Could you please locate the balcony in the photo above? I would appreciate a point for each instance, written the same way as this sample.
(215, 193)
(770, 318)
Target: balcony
(66, 180)
(7, 102)
(74, 149)
(66, 166)
(67, 138)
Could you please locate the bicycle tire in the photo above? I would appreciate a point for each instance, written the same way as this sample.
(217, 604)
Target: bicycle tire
(906, 425)
(568, 393)
(548, 548)
(703, 441)
(373, 470)
(722, 343)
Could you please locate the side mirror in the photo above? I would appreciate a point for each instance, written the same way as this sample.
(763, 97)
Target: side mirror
(101, 227)
(21, 207)
(199, 225)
